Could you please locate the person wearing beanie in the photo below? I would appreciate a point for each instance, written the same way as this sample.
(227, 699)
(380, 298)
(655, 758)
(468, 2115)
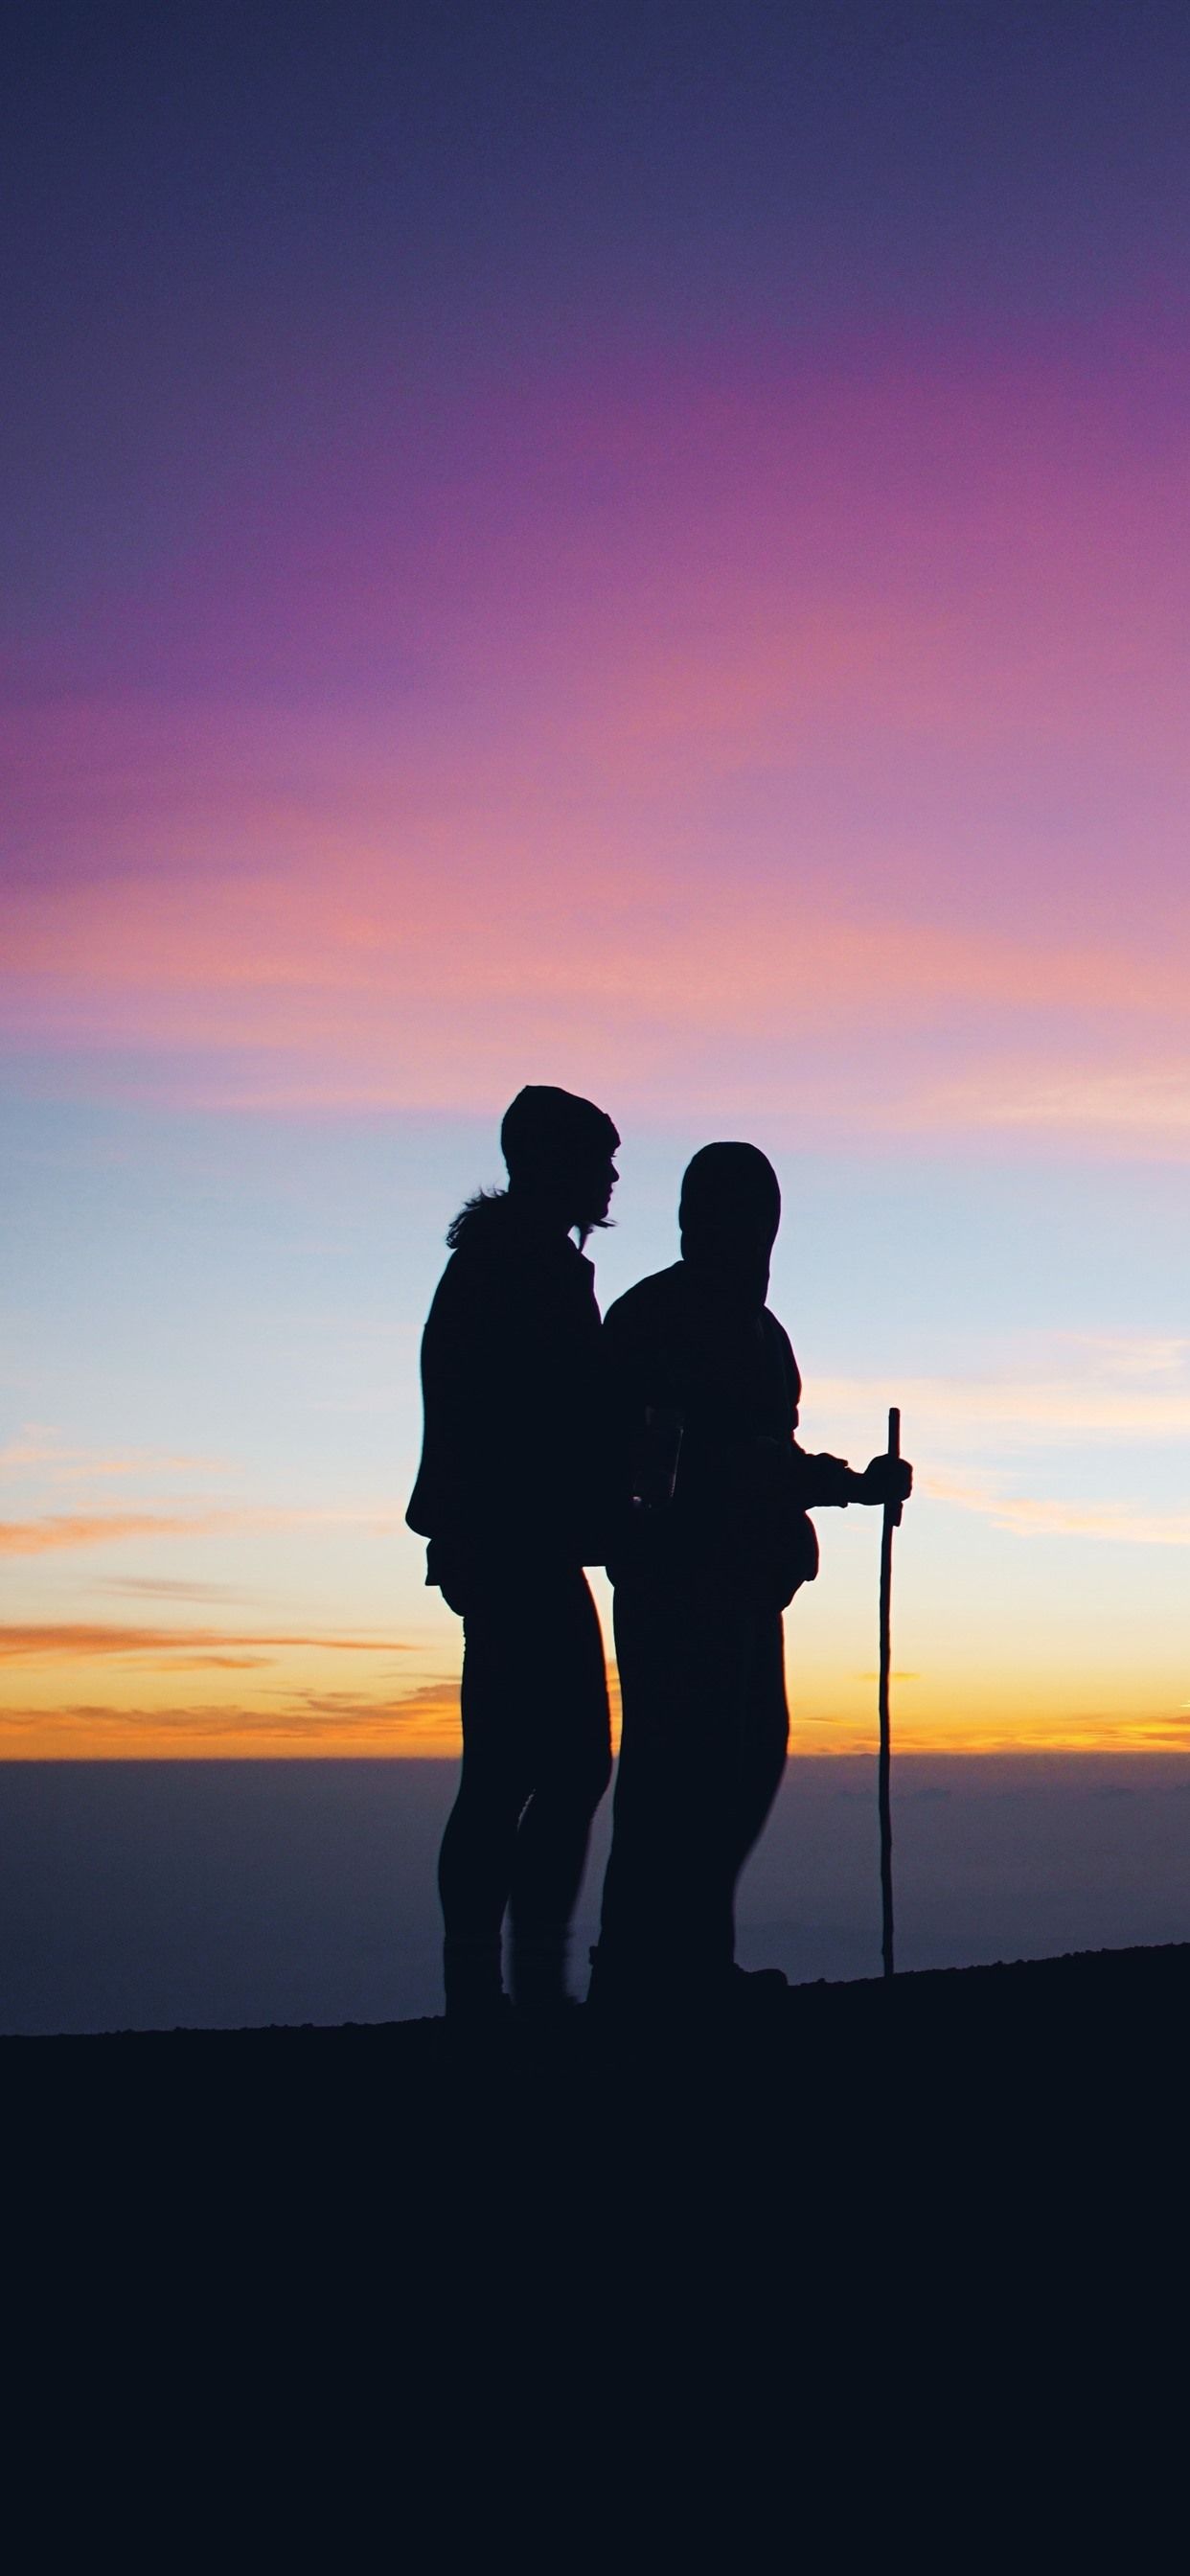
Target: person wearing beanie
(717, 1541)
(515, 1494)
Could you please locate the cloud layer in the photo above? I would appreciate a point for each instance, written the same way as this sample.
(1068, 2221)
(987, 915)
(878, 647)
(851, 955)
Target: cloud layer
(847, 720)
(68, 1640)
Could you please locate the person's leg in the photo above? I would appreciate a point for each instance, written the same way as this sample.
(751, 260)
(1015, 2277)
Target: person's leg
(475, 1865)
(759, 1755)
(666, 1920)
(635, 1905)
(571, 1763)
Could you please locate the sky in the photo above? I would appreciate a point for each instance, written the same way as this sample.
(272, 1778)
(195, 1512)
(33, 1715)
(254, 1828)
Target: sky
(640, 548)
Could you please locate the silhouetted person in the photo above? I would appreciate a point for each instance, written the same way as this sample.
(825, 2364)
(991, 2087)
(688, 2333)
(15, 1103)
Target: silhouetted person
(514, 1495)
(706, 1389)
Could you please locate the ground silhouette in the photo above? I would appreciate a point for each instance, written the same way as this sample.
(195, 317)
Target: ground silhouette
(888, 2258)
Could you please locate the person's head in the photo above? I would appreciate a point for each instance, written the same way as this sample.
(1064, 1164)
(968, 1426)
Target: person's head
(560, 1153)
(729, 1213)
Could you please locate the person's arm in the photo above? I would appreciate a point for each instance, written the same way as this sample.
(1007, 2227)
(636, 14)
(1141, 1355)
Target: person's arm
(625, 1397)
(439, 1497)
(442, 1505)
(826, 1480)
(822, 1480)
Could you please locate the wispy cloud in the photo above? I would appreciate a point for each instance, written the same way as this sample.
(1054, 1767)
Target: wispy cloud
(34, 1446)
(1104, 1388)
(1134, 1102)
(762, 773)
(1041, 1516)
(164, 1587)
(39, 1446)
(76, 1640)
(424, 1721)
(433, 1703)
(1016, 1730)
(361, 984)
(1117, 1388)
(60, 1530)
(1164, 1355)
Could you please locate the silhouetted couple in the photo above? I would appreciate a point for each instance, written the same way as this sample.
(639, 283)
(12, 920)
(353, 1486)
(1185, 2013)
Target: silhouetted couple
(662, 1446)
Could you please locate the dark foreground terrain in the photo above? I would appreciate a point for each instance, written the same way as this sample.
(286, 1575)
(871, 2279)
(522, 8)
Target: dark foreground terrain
(847, 2252)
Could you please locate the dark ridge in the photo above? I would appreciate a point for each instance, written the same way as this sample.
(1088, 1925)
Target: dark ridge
(868, 2234)
(1079, 1980)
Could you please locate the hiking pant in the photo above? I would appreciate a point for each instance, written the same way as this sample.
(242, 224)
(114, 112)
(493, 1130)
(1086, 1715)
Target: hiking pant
(536, 1762)
(706, 1732)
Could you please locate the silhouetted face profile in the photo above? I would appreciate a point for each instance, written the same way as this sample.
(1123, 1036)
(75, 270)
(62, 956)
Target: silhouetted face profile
(592, 1192)
(729, 1214)
(560, 1154)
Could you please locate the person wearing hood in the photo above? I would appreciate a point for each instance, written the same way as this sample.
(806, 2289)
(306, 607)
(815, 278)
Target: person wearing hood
(515, 1494)
(717, 1541)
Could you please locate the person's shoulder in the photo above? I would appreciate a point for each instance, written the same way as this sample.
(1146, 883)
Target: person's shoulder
(575, 1283)
(780, 1340)
(479, 1249)
(651, 1299)
(776, 1330)
(482, 1230)
(457, 1297)
(490, 1258)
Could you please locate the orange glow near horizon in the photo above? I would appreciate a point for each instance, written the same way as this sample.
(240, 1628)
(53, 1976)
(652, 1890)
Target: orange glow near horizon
(160, 1618)
(152, 1714)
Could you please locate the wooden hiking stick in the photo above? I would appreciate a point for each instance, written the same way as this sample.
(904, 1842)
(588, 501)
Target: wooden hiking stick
(892, 1514)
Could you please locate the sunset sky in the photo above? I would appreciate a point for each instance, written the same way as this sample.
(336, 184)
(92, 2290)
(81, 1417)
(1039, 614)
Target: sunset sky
(635, 547)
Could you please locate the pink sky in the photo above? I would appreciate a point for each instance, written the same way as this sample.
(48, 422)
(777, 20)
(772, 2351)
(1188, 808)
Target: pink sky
(530, 566)
(717, 720)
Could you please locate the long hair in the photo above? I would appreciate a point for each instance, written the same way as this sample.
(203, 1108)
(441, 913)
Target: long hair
(475, 1209)
(470, 1208)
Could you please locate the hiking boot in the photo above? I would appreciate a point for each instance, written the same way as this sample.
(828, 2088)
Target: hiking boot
(752, 1989)
(474, 1985)
(539, 1973)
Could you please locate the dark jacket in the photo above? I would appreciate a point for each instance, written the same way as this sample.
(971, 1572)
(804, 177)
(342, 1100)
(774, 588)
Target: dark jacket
(516, 1460)
(678, 1346)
